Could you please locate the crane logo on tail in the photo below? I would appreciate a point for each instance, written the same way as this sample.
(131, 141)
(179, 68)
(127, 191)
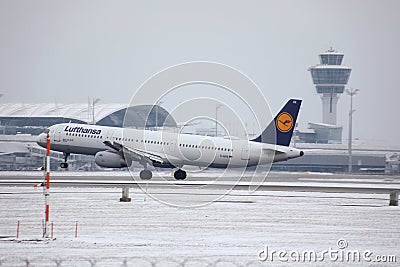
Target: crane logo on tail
(284, 122)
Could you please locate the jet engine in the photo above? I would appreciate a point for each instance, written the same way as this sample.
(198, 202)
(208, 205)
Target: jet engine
(108, 159)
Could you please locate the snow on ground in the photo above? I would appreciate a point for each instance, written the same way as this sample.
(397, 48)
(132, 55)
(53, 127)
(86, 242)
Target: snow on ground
(232, 230)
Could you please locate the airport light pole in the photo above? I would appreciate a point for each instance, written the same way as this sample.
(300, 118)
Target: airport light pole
(218, 106)
(351, 92)
(94, 102)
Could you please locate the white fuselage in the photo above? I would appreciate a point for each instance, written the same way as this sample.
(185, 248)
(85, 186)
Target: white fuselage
(173, 148)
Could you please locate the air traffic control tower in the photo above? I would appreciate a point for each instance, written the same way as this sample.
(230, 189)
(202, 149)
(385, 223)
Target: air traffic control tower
(330, 78)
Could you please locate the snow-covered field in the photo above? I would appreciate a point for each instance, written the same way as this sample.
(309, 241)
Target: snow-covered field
(229, 232)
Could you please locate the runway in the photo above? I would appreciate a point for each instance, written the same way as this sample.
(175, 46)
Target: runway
(196, 226)
(214, 180)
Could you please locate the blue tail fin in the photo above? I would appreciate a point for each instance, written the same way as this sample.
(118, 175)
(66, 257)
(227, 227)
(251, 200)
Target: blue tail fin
(280, 130)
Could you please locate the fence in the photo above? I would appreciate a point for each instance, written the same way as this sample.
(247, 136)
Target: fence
(121, 262)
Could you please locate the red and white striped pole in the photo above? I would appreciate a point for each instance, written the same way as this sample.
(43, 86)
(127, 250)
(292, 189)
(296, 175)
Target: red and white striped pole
(46, 233)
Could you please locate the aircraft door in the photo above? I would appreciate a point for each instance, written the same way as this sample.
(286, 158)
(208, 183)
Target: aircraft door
(172, 145)
(245, 152)
(57, 133)
(109, 135)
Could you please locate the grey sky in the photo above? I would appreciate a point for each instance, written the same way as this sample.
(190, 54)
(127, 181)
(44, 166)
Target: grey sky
(67, 51)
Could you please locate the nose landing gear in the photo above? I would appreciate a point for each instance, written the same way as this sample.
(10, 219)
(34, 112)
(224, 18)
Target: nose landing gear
(64, 164)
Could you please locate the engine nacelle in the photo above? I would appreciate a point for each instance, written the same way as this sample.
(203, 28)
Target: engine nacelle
(108, 159)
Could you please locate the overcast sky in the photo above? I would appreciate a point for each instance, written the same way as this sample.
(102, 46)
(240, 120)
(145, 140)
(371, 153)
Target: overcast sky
(67, 51)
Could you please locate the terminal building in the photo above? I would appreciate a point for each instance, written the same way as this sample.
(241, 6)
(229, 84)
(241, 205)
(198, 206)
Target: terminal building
(18, 118)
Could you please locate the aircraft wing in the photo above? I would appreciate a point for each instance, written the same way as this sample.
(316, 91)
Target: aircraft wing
(144, 155)
(137, 154)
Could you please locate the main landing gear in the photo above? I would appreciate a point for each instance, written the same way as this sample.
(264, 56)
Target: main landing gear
(147, 174)
(64, 164)
(180, 174)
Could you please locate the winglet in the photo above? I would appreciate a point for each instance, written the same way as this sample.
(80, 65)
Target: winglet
(280, 130)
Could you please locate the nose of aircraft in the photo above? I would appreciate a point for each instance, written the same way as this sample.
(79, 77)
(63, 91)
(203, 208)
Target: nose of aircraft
(41, 139)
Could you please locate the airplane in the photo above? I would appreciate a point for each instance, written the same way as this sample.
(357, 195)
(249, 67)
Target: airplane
(116, 147)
